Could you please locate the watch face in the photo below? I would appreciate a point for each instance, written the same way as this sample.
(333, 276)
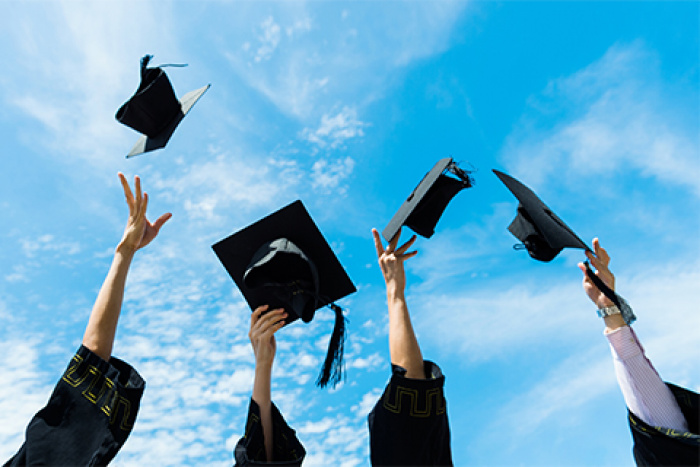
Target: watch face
(608, 310)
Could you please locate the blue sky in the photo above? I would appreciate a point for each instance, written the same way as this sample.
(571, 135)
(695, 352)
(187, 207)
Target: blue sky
(594, 105)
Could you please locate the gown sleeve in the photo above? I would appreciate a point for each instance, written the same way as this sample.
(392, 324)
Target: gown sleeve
(655, 445)
(286, 449)
(88, 417)
(408, 425)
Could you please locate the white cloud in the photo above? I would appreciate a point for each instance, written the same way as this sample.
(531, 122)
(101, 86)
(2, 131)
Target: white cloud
(227, 186)
(47, 243)
(492, 320)
(574, 383)
(24, 389)
(369, 400)
(269, 38)
(75, 90)
(614, 115)
(374, 360)
(335, 130)
(300, 26)
(327, 177)
(348, 54)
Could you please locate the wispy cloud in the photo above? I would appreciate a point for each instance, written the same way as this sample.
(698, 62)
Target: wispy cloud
(614, 115)
(75, 98)
(226, 186)
(334, 130)
(327, 177)
(269, 39)
(347, 56)
(24, 389)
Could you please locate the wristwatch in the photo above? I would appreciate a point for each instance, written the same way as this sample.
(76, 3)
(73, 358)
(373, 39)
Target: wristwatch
(608, 311)
(626, 311)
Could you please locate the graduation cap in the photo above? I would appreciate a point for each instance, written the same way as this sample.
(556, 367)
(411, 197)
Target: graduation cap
(284, 261)
(544, 234)
(424, 206)
(154, 110)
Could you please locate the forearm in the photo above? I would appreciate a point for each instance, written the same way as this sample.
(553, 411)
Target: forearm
(262, 396)
(646, 395)
(403, 345)
(102, 325)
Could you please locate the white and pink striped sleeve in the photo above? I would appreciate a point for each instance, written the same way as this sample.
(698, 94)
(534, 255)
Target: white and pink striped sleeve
(645, 393)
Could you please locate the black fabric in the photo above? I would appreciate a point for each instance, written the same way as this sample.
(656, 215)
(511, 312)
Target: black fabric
(427, 213)
(408, 425)
(289, 277)
(423, 208)
(88, 417)
(286, 448)
(154, 104)
(525, 230)
(664, 446)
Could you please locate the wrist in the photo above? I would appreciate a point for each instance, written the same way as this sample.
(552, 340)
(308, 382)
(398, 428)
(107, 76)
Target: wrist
(394, 292)
(608, 310)
(125, 249)
(263, 367)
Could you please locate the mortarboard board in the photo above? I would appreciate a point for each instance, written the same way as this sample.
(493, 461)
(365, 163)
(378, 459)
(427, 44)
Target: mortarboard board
(424, 206)
(542, 232)
(154, 110)
(544, 235)
(284, 261)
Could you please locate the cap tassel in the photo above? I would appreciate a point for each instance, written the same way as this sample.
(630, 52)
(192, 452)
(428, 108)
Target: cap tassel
(333, 366)
(607, 291)
(145, 60)
(461, 174)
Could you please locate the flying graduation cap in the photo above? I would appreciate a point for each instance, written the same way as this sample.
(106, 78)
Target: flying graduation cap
(424, 206)
(284, 261)
(544, 234)
(153, 110)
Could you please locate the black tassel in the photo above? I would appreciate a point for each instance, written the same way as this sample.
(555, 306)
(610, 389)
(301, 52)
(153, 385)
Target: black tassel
(144, 63)
(607, 291)
(462, 174)
(333, 366)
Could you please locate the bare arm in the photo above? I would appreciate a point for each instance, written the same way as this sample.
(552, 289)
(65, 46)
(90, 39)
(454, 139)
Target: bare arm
(139, 232)
(403, 345)
(262, 337)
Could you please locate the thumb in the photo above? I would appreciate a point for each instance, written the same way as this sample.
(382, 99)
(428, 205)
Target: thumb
(162, 220)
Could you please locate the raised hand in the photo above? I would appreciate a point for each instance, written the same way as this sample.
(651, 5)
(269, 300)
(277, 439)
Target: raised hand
(262, 334)
(391, 260)
(600, 261)
(139, 232)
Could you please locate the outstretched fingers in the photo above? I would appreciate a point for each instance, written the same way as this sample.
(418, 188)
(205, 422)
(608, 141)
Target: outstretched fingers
(378, 243)
(127, 190)
(402, 249)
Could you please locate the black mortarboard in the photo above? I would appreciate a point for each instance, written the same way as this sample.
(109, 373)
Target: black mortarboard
(544, 235)
(284, 261)
(154, 110)
(541, 231)
(424, 206)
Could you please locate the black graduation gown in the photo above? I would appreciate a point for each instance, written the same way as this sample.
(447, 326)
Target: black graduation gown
(88, 417)
(286, 448)
(408, 425)
(664, 446)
